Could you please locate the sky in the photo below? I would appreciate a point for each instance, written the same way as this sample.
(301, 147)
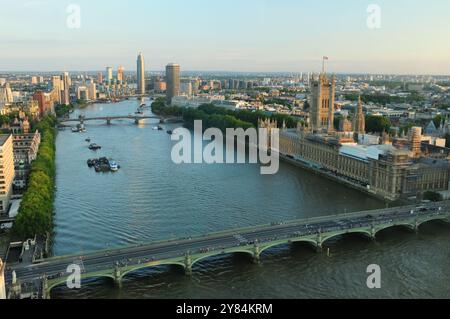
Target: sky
(228, 35)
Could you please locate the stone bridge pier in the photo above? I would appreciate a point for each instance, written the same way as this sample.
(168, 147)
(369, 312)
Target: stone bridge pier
(188, 264)
(117, 276)
(45, 289)
(81, 118)
(256, 253)
(319, 245)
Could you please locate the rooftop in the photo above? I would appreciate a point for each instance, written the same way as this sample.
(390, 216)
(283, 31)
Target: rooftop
(3, 139)
(364, 152)
(427, 162)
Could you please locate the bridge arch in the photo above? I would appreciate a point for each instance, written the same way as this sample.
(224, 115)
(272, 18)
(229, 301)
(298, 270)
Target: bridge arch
(221, 253)
(150, 266)
(53, 284)
(364, 233)
(290, 241)
(409, 226)
(433, 219)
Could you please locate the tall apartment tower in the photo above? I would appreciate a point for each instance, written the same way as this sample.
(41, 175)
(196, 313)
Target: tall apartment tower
(109, 74)
(57, 88)
(120, 76)
(322, 104)
(359, 124)
(173, 81)
(99, 77)
(140, 74)
(65, 90)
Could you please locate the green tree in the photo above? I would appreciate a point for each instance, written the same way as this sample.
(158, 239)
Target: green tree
(377, 124)
(35, 215)
(438, 120)
(337, 122)
(432, 196)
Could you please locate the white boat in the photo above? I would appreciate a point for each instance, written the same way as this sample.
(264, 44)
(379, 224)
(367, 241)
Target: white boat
(113, 166)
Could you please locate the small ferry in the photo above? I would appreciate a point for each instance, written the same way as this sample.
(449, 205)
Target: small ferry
(103, 165)
(113, 166)
(79, 129)
(94, 147)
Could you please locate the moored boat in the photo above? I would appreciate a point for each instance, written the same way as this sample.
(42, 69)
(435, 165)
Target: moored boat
(113, 166)
(94, 147)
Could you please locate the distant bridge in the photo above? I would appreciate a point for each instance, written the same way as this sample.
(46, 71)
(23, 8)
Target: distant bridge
(252, 241)
(136, 118)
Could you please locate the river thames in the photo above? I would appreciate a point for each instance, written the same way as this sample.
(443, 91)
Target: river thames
(151, 198)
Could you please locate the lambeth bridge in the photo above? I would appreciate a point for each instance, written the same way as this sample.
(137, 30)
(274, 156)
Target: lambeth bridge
(108, 119)
(252, 241)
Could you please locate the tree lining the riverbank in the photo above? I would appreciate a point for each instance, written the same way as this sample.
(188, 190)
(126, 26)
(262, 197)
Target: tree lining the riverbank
(220, 117)
(35, 215)
(63, 110)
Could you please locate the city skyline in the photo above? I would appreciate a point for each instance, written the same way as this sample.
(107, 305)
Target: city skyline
(260, 32)
(224, 150)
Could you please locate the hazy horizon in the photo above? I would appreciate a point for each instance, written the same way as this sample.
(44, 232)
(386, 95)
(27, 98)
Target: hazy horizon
(216, 72)
(263, 36)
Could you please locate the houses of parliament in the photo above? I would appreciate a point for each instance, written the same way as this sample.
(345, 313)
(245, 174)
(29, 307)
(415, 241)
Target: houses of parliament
(388, 166)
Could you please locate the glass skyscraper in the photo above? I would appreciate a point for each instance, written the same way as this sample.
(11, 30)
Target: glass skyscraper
(140, 74)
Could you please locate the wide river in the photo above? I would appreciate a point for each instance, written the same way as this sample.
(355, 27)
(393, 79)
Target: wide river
(151, 198)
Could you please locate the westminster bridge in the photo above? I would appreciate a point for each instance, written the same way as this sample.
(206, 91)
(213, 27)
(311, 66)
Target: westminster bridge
(252, 241)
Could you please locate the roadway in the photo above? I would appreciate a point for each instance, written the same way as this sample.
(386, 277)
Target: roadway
(128, 256)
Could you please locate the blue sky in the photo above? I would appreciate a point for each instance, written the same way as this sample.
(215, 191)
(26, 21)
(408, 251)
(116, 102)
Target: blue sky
(231, 35)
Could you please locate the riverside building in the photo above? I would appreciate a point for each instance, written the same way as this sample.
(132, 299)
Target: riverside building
(25, 148)
(6, 171)
(383, 167)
